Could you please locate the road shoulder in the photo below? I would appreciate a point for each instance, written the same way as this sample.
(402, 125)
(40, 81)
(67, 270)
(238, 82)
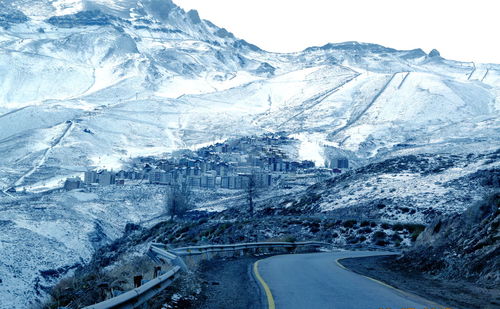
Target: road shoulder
(457, 294)
(228, 284)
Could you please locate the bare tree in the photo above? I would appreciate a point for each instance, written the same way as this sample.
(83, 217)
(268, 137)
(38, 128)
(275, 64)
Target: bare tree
(178, 201)
(251, 185)
(251, 191)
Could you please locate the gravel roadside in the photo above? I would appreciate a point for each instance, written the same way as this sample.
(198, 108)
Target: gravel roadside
(455, 294)
(228, 283)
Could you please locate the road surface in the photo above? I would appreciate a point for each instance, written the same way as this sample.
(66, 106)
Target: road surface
(318, 281)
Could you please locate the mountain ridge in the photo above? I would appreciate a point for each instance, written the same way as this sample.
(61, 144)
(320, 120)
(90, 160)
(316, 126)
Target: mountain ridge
(96, 89)
(90, 62)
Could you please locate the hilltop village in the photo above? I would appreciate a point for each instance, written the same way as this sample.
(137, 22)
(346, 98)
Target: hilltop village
(261, 162)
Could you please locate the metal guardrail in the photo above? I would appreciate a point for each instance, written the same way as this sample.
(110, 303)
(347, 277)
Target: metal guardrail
(138, 296)
(234, 247)
(172, 258)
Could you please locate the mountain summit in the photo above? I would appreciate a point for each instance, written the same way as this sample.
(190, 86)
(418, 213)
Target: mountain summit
(146, 77)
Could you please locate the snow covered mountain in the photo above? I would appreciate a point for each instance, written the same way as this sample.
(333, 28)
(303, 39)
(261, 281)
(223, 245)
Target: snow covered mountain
(92, 83)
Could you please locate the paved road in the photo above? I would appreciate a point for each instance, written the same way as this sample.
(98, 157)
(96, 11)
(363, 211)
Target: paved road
(317, 281)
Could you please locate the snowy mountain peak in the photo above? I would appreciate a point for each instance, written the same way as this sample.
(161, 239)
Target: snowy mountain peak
(353, 46)
(89, 61)
(153, 15)
(121, 8)
(194, 16)
(434, 53)
(160, 9)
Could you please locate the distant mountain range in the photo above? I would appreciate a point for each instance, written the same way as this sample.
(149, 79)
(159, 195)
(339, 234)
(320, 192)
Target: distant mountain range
(93, 83)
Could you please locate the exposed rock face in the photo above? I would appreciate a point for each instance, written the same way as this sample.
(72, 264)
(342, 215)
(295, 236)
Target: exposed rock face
(434, 53)
(462, 246)
(9, 17)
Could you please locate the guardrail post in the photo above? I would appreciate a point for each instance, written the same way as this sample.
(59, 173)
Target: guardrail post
(104, 289)
(156, 272)
(137, 281)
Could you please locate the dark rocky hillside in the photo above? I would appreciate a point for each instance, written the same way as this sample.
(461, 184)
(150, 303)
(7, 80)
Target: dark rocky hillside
(414, 189)
(464, 246)
(9, 17)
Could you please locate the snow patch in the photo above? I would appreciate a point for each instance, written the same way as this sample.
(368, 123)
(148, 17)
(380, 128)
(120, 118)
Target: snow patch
(311, 148)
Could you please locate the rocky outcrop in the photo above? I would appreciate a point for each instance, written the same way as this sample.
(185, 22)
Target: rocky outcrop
(464, 246)
(10, 16)
(434, 53)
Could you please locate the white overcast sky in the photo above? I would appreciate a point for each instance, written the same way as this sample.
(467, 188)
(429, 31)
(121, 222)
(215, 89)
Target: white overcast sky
(467, 30)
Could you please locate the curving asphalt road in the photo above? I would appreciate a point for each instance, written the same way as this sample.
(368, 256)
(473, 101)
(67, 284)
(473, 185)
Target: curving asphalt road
(318, 281)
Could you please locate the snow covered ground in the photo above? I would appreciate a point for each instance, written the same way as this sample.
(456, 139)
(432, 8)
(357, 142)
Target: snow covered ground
(44, 236)
(413, 188)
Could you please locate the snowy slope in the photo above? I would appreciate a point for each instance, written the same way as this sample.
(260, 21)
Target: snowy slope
(115, 61)
(145, 78)
(51, 234)
(412, 188)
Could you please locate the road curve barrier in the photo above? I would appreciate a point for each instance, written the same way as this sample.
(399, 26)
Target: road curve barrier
(173, 256)
(236, 247)
(138, 296)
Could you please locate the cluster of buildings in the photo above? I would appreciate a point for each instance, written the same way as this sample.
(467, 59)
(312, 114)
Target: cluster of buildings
(103, 178)
(236, 164)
